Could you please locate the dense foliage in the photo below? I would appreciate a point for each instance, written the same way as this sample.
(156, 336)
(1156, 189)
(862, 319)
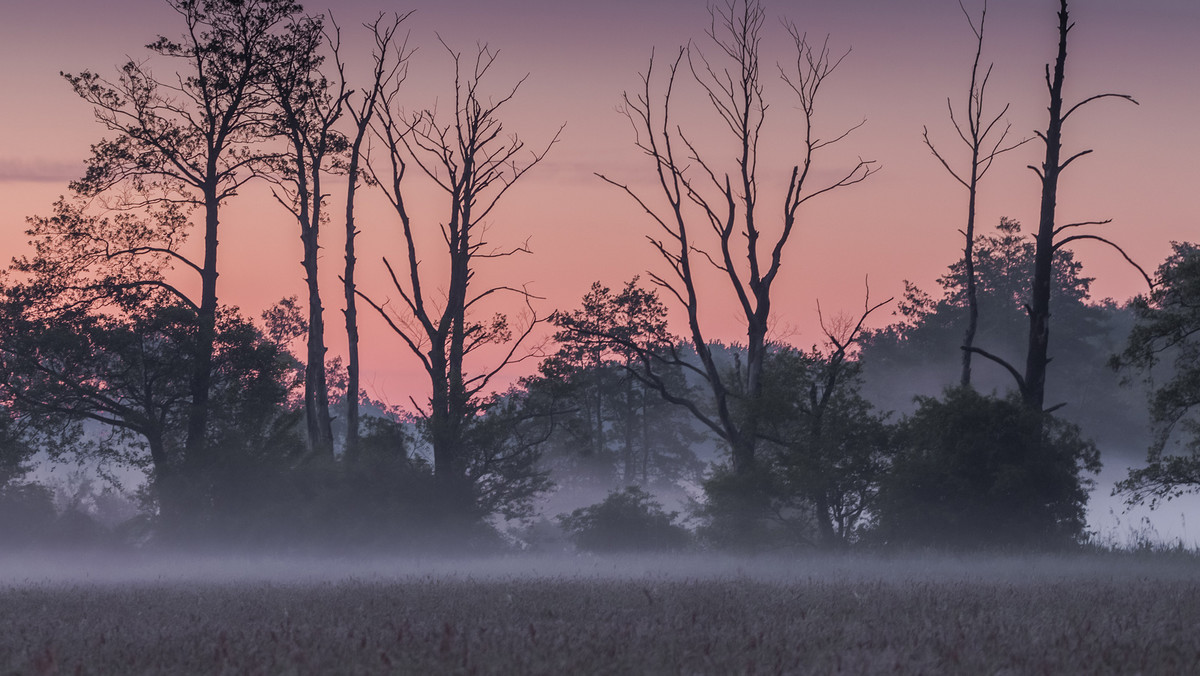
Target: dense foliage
(978, 471)
(627, 520)
(1164, 349)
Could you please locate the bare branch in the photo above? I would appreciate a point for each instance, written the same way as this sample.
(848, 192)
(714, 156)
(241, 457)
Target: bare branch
(1073, 238)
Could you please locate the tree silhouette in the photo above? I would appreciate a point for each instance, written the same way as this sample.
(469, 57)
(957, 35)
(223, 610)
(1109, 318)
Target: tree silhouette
(390, 66)
(1049, 237)
(1168, 322)
(470, 159)
(727, 200)
(605, 402)
(189, 137)
(309, 106)
(983, 153)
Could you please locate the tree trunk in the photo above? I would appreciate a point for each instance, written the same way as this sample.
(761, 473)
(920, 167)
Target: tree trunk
(351, 311)
(969, 270)
(1043, 269)
(825, 530)
(316, 390)
(206, 330)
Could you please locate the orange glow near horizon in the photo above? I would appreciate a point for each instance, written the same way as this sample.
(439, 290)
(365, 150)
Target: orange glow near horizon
(901, 224)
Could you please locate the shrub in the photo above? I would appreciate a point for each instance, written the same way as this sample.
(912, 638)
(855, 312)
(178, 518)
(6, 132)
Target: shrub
(626, 520)
(975, 471)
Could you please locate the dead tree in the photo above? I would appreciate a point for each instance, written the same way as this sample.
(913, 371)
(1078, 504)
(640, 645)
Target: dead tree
(308, 108)
(474, 163)
(391, 66)
(983, 153)
(701, 195)
(1050, 238)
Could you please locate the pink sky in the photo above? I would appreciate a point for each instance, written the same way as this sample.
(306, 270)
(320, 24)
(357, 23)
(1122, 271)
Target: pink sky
(908, 56)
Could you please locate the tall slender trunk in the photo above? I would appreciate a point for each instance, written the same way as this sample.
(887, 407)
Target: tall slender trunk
(969, 271)
(1039, 304)
(745, 444)
(206, 331)
(316, 390)
(351, 311)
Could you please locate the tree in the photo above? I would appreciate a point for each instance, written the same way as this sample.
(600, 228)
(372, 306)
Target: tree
(472, 161)
(596, 388)
(919, 353)
(120, 371)
(1168, 320)
(973, 471)
(96, 328)
(697, 192)
(830, 446)
(189, 137)
(983, 153)
(1050, 238)
(308, 108)
(391, 63)
(123, 366)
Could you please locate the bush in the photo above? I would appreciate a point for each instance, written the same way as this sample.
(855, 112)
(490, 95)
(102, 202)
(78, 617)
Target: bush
(973, 472)
(626, 520)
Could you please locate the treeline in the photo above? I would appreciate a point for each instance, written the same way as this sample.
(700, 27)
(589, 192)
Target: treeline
(113, 355)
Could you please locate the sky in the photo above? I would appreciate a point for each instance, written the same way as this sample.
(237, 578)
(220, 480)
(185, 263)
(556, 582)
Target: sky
(906, 58)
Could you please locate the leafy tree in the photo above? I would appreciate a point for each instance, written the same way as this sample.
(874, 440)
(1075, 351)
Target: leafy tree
(919, 355)
(975, 471)
(1165, 335)
(597, 387)
(124, 365)
(830, 447)
(26, 508)
(15, 450)
(626, 520)
(188, 138)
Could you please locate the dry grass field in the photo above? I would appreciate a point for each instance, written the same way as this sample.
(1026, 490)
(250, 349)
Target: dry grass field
(909, 615)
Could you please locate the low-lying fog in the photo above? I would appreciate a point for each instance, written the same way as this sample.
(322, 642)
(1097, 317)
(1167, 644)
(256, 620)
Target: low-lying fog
(211, 568)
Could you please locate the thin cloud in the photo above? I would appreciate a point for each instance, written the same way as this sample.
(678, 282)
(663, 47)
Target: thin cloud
(39, 170)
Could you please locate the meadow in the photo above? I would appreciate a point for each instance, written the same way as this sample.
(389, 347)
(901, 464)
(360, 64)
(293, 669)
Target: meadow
(1108, 614)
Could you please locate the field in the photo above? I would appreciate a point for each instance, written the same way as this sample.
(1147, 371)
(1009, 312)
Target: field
(906, 615)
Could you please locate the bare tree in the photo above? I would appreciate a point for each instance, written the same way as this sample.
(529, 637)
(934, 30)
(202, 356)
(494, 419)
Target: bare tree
(474, 162)
(1050, 238)
(309, 106)
(983, 153)
(391, 66)
(699, 193)
(189, 137)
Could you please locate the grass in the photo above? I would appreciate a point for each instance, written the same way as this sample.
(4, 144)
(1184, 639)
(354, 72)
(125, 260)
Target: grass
(1017, 615)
